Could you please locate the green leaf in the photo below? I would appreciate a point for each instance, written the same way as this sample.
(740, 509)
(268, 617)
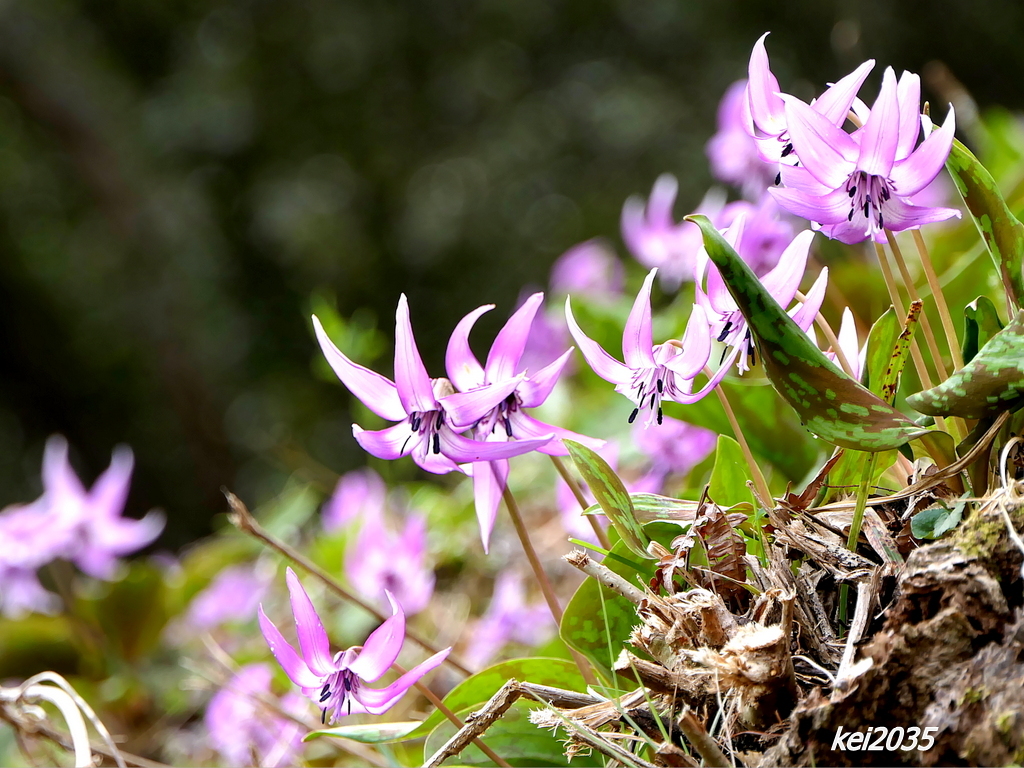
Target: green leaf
(881, 340)
(370, 733)
(981, 323)
(830, 404)
(597, 621)
(1002, 232)
(729, 478)
(933, 522)
(611, 494)
(992, 382)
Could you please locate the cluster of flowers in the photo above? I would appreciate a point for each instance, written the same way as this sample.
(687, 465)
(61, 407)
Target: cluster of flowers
(69, 523)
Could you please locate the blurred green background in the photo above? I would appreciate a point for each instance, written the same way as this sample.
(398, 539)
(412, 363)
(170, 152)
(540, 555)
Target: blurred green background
(181, 182)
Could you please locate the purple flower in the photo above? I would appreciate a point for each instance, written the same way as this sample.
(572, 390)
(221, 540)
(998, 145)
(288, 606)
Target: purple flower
(232, 596)
(338, 684)
(30, 540)
(655, 239)
(98, 532)
(589, 269)
(505, 420)
(651, 373)
(358, 495)
(241, 727)
(769, 120)
(547, 340)
(762, 238)
(856, 185)
(508, 618)
(727, 322)
(733, 152)
(424, 429)
(847, 337)
(676, 448)
(380, 562)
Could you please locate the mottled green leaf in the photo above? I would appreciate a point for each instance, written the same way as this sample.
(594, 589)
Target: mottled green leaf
(730, 476)
(1002, 232)
(370, 733)
(981, 323)
(992, 382)
(830, 404)
(611, 494)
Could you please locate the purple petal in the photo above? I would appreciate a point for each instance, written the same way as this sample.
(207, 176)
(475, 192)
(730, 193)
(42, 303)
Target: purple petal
(436, 463)
(799, 178)
(915, 173)
(382, 646)
(296, 669)
(881, 133)
(527, 427)
(834, 104)
(636, 336)
(59, 479)
(908, 95)
(696, 343)
(784, 280)
(414, 387)
(833, 208)
(313, 642)
(804, 315)
(604, 365)
(714, 381)
(900, 215)
(379, 700)
(465, 451)
(463, 368)
(824, 150)
(110, 491)
(391, 443)
(489, 478)
(536, 389)
(376, 392)
(467, 408)
(766, 107)
(508, 346)
(662, 199)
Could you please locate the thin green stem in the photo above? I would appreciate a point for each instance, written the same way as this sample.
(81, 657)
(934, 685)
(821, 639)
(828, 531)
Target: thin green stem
(940, 300)
(602, 536)
(755, 471)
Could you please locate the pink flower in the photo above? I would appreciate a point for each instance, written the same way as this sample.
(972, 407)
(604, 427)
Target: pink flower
(508, 618)
(589, 269)
(732, 151)
(358, 495)
(380, 562)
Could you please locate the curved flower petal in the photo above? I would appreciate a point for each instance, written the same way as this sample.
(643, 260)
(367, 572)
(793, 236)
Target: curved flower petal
(696, 346)
(463, 368)
(489, 478)
(110, 491)
(881, 133)
(827, 152)
(714, 381)
(900, 215)
(908, 95)
(391, 443)
(377, 701)
(637, 341)
(414, 387)
(467, 451)
(508, 346)
(382, 646)
(833, 208)
(313, 642)
(59, 479)
(804, 315)
(296, 669)
(766, 107)
(375, 391)
(662, 199)
(784, 280)
(916, 172)
(834, 104)
(435, 462)
(527, 427)
(536, 389)
(604, 365)
(466, 408)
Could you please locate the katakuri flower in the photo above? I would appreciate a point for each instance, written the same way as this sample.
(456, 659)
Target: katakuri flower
(30, 540)
(508, 618)
(732, 152)
(424, 429)
(358, 495)
(589, 269)
(652, 373)
(232, 596)
(506, 420)
(653, 236)
(380, 561)
(338, 684)
(856, 185)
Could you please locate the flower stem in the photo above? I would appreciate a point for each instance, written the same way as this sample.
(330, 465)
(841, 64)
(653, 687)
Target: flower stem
(542, 578)
(602, 537)
(897, 303)
(856, 523)
(755, 471)
(243, 520)
(940, 300)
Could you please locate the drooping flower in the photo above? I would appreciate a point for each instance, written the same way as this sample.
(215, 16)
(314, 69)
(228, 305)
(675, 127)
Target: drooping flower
(241, 727)
(732, 151)
(727, 322)
(233, 595)
(590, 269)
(769, 122)
(423, 429)
(358, 495)
(676, 448)
(856, 185)
(651, 373)
(509, 618)
(30, 540)
(380, 562)
(338, 684)
(506, 420)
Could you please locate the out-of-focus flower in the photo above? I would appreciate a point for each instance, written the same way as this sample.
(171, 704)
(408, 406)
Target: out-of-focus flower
(769, 122)
(28, 540)
(651, 373)
(508, 618)
(676, 448)
(655, 239)
(424, 429)
(381, 562)
(732, 151)
(506, 420)
(849, 343)
(358, 495)
(589, 269)
(244, 730)
(338, 684)
(856, 185)
(547, 340)
(782, 282)
(233, 595)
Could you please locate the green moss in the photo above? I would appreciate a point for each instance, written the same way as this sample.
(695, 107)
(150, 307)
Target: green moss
(974, 695)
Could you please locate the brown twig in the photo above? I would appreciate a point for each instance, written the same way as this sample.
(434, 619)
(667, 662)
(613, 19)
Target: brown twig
(604, 575)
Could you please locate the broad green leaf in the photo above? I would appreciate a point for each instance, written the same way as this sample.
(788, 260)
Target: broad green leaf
(981, 323)
(729, 478)
(932, 523)
(881, 340)
(597, 621)
(611, 494)
(1002, 232)
(992, 382)
(370, 733)
(830, 404)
